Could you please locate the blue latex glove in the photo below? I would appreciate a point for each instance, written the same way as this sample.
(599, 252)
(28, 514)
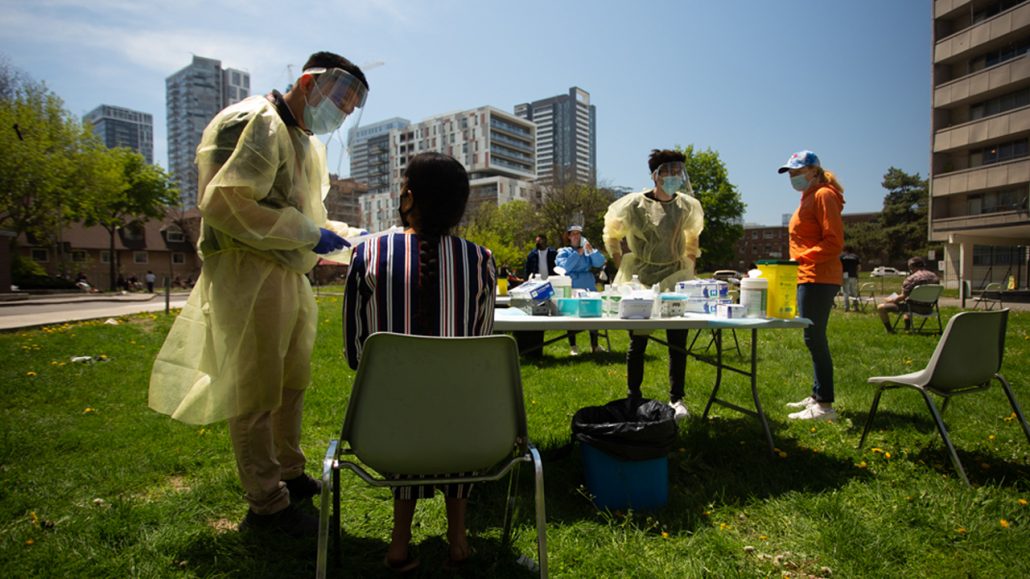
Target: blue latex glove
(329, 242)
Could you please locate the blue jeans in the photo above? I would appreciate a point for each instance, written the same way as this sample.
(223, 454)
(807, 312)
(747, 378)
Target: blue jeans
(814, 302)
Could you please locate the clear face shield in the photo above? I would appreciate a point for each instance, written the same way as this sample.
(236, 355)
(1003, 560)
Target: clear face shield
(672, 177)
(332, 102)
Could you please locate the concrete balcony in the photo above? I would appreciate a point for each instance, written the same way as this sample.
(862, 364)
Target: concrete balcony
(981, 131)
(965, 41)
(945, 7)
(981, 84)
(994, 176)
(1014, 221)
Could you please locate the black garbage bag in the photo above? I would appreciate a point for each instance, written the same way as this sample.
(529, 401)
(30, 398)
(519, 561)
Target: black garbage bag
(628, 429)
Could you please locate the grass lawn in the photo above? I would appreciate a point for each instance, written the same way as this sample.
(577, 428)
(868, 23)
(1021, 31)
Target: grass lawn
(94, 484)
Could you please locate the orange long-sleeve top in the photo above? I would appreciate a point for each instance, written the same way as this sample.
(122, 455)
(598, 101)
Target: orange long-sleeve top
(817, 234)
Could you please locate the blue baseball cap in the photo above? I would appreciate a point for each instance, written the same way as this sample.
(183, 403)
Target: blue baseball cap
(799, 160)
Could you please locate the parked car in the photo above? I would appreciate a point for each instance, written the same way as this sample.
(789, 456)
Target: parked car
(884, 271)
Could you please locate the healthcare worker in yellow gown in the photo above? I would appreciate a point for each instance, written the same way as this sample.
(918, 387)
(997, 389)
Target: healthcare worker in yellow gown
(241, 348)
(662, 227)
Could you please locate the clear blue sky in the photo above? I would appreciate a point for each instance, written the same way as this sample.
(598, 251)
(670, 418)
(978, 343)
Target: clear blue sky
(752, 79)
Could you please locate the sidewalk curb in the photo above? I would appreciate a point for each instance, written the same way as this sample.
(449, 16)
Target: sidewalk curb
(73, 299)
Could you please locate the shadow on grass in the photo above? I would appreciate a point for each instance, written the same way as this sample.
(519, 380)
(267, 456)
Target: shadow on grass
(718, 460)
(918, 430)
(258, 555)
(981, 469)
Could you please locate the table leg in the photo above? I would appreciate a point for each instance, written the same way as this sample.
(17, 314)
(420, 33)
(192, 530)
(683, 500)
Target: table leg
(754, 391)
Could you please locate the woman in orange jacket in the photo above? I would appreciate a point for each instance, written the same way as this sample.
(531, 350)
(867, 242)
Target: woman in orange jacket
(816, 240)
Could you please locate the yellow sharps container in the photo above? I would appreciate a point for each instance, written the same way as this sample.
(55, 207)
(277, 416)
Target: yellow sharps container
(783, 287)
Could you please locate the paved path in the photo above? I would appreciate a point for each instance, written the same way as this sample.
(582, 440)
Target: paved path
(36, 311)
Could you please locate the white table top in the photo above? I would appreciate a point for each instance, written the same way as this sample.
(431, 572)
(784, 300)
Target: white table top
(512, 319)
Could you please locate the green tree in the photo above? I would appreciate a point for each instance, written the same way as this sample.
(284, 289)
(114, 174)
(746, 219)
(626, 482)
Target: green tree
(507, 230)
(903, 220)
(724, 209)
(38, 139)
(124, 192)
(574, 204)
(869, 241)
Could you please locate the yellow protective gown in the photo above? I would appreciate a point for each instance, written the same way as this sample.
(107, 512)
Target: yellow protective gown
(249, 325)
(662, 236)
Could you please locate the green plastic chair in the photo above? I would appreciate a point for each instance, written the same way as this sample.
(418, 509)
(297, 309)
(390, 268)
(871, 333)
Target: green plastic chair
(967, 358)
(421, 406)
(921, 302)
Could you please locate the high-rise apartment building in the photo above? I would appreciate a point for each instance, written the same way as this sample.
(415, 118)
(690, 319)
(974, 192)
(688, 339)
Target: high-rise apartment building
(194, 96)
(369, 150)
(121, 127)
(980, 157)
(496, 148)
(566, 137)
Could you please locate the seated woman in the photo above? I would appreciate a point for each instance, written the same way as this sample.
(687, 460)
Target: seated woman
(423, 281)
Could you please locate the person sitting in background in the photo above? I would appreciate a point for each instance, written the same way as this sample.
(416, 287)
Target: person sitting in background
(579, 259)
(428, 282)
(891, 304)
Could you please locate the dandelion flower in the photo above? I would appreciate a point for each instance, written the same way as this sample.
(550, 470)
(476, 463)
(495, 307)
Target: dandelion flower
(30, 374)
(1004, 524)
(665, 534)
(29, 542)
(961, 530)
(782, 454)
(886, 455)
(1022, 502)
(861, 464)
(88, 410)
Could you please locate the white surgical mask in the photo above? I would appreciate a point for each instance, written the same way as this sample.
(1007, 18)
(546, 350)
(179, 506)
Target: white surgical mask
(799, 182)
(672, 184)
(325, 117)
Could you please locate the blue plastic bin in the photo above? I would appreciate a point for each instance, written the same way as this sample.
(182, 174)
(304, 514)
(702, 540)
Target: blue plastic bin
(622, 484)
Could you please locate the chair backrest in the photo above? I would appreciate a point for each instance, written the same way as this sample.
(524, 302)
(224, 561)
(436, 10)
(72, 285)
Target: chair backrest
(970, 350)
(432, 405)
(922, 299)
(928, 293)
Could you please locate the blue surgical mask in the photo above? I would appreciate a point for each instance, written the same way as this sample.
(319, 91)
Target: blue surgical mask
(672, 184)
(325, 117)
(799, 182)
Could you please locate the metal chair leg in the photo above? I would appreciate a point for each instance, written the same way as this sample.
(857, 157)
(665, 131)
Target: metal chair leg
(541, 514)
(872, 414)
(944, 435)
(1015, 405)
(509, 505)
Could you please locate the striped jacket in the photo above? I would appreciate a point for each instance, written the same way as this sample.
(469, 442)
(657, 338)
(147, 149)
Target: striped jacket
(382, 289)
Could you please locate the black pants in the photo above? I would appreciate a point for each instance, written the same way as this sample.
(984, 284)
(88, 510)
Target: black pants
(677, 363)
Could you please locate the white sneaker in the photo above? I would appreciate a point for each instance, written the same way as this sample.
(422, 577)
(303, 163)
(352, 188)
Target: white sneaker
(574, 351)
(815, 412)
(802, 403)
(680, 410)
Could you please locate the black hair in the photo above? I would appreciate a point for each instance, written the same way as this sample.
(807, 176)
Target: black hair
(915, 263)
(325, 59)
(439, 188)
(661, 156)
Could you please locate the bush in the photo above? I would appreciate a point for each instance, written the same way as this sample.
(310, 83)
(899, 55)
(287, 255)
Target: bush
(27, 274)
